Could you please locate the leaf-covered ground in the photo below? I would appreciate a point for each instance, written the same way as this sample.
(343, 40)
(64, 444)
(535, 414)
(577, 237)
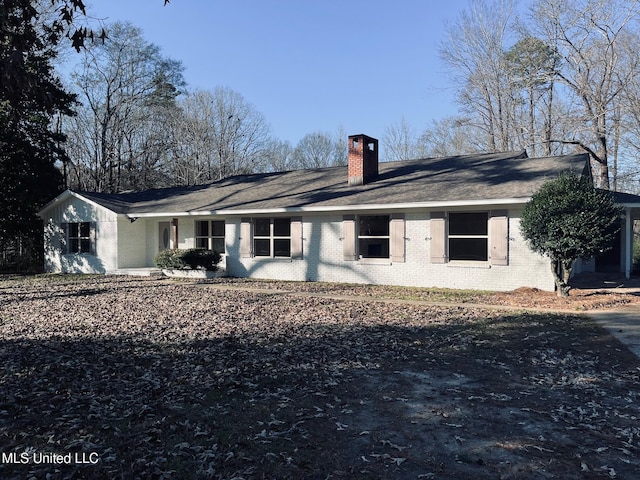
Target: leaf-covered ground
(148, 378)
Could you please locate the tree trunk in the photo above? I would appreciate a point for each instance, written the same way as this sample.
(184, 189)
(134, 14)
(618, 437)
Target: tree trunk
(561, 279)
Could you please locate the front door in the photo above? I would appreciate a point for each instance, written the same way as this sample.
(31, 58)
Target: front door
(164, 235)
(610, 261)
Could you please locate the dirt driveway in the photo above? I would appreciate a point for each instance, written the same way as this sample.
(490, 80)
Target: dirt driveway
(111, 377)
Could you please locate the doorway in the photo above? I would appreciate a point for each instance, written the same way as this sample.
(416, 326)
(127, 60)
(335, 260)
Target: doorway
(164, 236)
(610, 261)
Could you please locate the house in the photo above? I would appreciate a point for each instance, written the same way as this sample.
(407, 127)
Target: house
(446, 222)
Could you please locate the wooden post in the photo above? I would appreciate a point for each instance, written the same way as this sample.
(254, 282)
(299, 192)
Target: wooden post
(174, 232)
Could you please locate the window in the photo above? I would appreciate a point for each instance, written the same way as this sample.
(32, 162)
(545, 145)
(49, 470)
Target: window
(373, 236)
(272, 237)
(469, 236)
(79, 237)
(210, 235)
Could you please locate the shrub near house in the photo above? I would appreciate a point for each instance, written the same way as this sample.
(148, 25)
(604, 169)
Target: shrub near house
(189, 259)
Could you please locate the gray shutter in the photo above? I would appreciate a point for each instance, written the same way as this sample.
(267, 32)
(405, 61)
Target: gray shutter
(296, 238)
(499, 237)
(438, 228)
(246, 240)
(396, 229)
(349, 238)
(64, 238)
(92, 235)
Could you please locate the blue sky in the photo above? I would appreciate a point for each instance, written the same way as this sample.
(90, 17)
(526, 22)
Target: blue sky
(308, 65)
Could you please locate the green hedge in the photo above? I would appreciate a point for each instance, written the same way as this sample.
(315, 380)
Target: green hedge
(190, 259)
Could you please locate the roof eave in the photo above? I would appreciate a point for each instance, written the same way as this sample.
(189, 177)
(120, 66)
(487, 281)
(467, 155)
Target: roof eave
(65, 196)
(337, 208)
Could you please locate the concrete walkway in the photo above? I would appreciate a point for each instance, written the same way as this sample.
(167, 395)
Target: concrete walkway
(623, 323)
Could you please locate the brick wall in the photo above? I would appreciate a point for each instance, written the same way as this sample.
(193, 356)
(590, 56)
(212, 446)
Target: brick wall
(323, 260)
(363, 159)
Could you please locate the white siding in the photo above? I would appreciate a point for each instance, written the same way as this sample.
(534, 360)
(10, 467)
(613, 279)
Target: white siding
(74, 210)
(132, 243)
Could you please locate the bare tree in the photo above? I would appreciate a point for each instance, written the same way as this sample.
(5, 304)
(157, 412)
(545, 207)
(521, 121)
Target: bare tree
(278, 156)
(532, 65)
(591, 37)
(451, 136)
(240, 133)
(474, 51)
(320, 149)
(126, 89)
(192, 160)
(217, 135)
(401, 142)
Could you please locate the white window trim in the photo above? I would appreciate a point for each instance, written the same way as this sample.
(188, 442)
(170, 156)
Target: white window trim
(497, 243)
(272, 238)
(67, 238)
(483, 236)
(396, 238)
(374, 260)
(210, 237)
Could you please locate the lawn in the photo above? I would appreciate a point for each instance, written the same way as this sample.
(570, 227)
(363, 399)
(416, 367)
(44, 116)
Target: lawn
(124, 378)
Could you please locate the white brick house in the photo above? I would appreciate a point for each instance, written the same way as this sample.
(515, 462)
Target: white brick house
(445, 222)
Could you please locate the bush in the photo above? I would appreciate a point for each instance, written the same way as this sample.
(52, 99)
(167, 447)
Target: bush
(569, 219)
(190, 259)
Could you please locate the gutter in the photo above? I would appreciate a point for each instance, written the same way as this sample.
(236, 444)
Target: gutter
(338, 208)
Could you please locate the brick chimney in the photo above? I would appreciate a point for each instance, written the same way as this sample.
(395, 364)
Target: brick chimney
(363, 159)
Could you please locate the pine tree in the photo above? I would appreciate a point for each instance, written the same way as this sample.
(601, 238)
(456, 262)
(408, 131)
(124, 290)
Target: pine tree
(30, 95)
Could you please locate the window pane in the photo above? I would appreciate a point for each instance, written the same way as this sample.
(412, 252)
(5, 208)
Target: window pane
(218, 245)
(202, 229)
(282, 227)
(202, 243)
(262, 227)
(282, 247)
(374, 225)
(85, 245)
(468, 249)
(468, 223)
(217, 228)
(74, 245)
(85, 229)
(373, 247)
(262, 247)
(74, 228)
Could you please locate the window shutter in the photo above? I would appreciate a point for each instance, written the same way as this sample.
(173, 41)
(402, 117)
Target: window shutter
(438, 246)
(245, 238)
(349, 238)
(296, 238)
(64, 238)
(499, 237)
(397, 229)
(92, 236)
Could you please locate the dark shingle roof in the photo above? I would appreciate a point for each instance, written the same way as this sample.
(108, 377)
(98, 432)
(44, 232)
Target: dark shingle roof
(450, 179)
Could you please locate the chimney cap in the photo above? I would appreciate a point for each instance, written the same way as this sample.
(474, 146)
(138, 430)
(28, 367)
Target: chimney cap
(362, 135)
